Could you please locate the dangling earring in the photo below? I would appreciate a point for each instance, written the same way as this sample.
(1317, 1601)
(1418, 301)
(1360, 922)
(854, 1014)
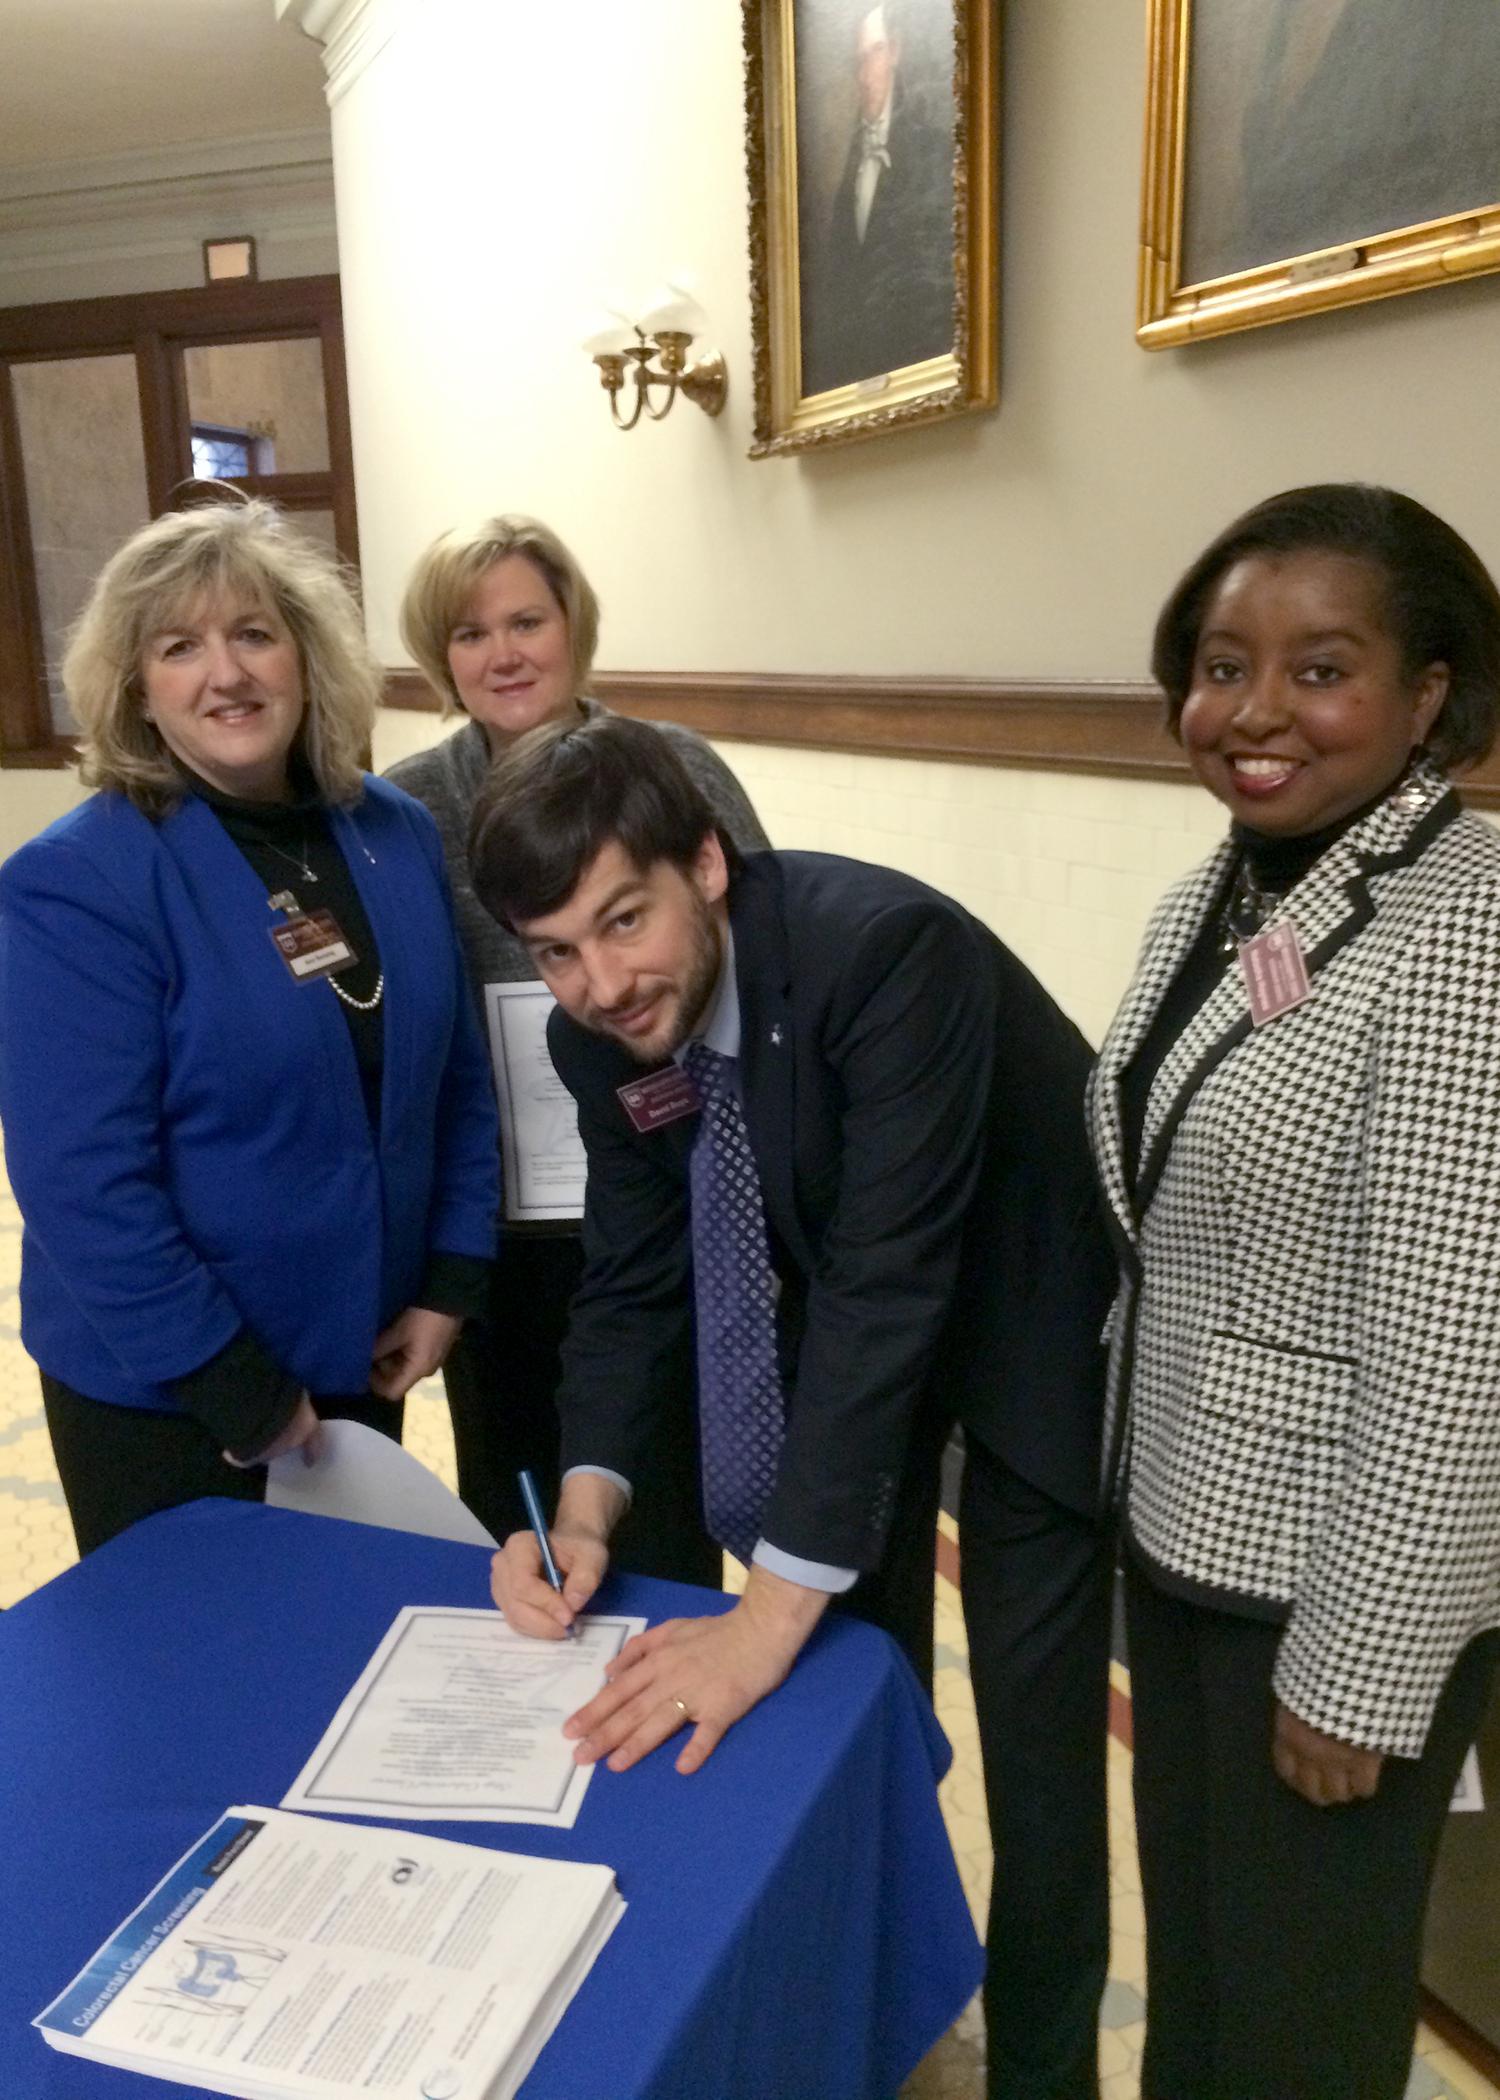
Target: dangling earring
(1412, 789)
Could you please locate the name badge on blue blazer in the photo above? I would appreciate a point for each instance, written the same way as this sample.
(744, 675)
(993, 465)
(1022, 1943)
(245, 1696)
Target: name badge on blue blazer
(312, 945)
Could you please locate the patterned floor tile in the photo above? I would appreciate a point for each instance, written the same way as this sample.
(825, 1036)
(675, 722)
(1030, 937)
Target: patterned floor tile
(1426, 2084)
(1123, 2005)
(1458, 2080)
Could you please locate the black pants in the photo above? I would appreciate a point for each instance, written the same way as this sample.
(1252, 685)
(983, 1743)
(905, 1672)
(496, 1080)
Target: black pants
(1037, 1584)
(502, 1376)
(1283, 1941)
(118, 1464)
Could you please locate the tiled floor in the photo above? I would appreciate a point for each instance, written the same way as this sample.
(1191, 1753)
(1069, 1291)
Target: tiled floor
(36, 1543)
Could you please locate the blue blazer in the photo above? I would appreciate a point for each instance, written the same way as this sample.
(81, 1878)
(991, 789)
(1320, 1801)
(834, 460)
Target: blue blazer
(183, 1122)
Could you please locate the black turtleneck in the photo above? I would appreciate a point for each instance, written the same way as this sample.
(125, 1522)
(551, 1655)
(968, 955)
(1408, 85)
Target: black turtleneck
(280, 840)
(1277, 864)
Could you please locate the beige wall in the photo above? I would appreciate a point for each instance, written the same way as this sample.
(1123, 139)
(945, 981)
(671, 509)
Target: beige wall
(1064, 867)
(1036, 541)
(547, 153)
(30, 800)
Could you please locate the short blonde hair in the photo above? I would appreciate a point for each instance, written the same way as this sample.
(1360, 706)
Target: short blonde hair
(443, 583)
(160, 574)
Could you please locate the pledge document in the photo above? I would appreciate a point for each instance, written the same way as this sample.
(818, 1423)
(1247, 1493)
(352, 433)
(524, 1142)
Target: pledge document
(543, 1155)
(284, 1957)
(458, 1718)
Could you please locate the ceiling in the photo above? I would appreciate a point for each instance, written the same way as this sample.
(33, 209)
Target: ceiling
(81, 78)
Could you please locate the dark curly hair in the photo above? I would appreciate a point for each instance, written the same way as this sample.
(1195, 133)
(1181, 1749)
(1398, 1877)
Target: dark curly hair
(563, 792)
(1441, 601)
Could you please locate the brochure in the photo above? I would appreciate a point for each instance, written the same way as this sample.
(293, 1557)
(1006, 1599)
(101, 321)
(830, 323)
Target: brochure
(287, 1957)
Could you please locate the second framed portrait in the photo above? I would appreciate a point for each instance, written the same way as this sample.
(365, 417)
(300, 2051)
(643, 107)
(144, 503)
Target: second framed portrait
(873, 157)
(1307, 154)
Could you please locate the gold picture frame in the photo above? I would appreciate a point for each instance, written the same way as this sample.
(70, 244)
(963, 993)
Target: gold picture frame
(1311, 154)
(874, 274)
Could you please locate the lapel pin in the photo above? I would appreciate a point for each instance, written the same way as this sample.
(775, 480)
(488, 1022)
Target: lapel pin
(776, 1036)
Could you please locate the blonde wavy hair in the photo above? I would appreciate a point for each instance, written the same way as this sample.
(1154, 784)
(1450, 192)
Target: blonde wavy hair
(443, 583)
(246, 549)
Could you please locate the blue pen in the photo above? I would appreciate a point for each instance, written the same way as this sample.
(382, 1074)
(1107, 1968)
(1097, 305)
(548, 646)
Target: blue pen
(533, 1503)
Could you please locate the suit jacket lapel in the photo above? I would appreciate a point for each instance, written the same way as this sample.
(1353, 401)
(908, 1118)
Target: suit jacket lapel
(768, 1045)
(1182, 915)
(1329, 907)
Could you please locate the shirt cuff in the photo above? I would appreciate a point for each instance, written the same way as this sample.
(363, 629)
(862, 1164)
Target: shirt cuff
(456, 1284)
(604, 1473)
(242, 1396)
(812, 1574)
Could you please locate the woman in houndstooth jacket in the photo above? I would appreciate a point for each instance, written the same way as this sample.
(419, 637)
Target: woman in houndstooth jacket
(1296, 1115)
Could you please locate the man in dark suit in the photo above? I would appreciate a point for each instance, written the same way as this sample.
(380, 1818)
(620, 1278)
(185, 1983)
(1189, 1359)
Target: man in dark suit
(880, 294)
(907, 1106)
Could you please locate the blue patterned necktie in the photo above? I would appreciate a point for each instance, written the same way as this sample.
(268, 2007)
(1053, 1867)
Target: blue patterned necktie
(741, 1410)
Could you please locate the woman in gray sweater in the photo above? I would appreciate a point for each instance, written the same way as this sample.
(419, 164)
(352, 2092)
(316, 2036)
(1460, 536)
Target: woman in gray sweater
(503, 624)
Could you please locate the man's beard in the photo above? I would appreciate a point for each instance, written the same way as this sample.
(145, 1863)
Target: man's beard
(696, 991)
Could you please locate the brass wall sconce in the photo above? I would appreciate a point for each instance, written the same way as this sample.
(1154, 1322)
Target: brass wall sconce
(652, 353)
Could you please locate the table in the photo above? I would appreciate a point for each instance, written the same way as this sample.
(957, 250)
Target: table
(796, 1928)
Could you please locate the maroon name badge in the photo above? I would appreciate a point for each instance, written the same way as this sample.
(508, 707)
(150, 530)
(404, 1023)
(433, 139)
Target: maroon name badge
(1275, 972)
(312, 945)
(666, 1097)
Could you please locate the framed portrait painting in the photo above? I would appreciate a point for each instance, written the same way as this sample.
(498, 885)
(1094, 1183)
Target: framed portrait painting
(873, 154)
(1306, 154)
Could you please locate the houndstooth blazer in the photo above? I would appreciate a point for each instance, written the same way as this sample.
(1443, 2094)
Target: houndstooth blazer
(1304, 1395)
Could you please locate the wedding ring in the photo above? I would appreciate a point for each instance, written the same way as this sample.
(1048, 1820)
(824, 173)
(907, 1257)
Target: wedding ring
(682, 1709)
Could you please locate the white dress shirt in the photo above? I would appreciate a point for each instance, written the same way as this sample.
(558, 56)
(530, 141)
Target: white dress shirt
(875, 156)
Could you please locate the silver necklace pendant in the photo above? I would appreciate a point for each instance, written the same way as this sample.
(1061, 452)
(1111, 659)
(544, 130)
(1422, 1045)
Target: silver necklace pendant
(293, 860)
(1245, 910)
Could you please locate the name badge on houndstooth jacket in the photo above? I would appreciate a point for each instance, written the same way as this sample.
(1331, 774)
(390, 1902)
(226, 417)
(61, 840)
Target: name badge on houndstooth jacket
(1275, 972)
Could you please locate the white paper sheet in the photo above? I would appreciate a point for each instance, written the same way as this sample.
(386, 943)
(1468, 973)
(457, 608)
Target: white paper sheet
(366, 1478)
(543, 1156)
(458, 1718)
(285, 1956)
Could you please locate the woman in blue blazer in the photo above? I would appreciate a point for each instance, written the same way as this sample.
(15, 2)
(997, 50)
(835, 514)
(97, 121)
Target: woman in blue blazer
(247, 1111)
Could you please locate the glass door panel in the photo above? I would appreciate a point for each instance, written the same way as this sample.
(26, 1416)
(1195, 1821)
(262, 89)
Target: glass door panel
(85, 471)
(257, 408)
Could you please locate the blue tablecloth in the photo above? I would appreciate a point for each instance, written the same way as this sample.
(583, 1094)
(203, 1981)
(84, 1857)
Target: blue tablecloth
(796, 1928)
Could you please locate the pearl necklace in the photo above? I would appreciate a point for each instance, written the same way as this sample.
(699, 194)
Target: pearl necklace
(361, 1006)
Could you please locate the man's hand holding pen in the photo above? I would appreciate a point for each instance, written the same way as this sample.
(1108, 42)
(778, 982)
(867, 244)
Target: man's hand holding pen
(704, 1673)
(587, 1512)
